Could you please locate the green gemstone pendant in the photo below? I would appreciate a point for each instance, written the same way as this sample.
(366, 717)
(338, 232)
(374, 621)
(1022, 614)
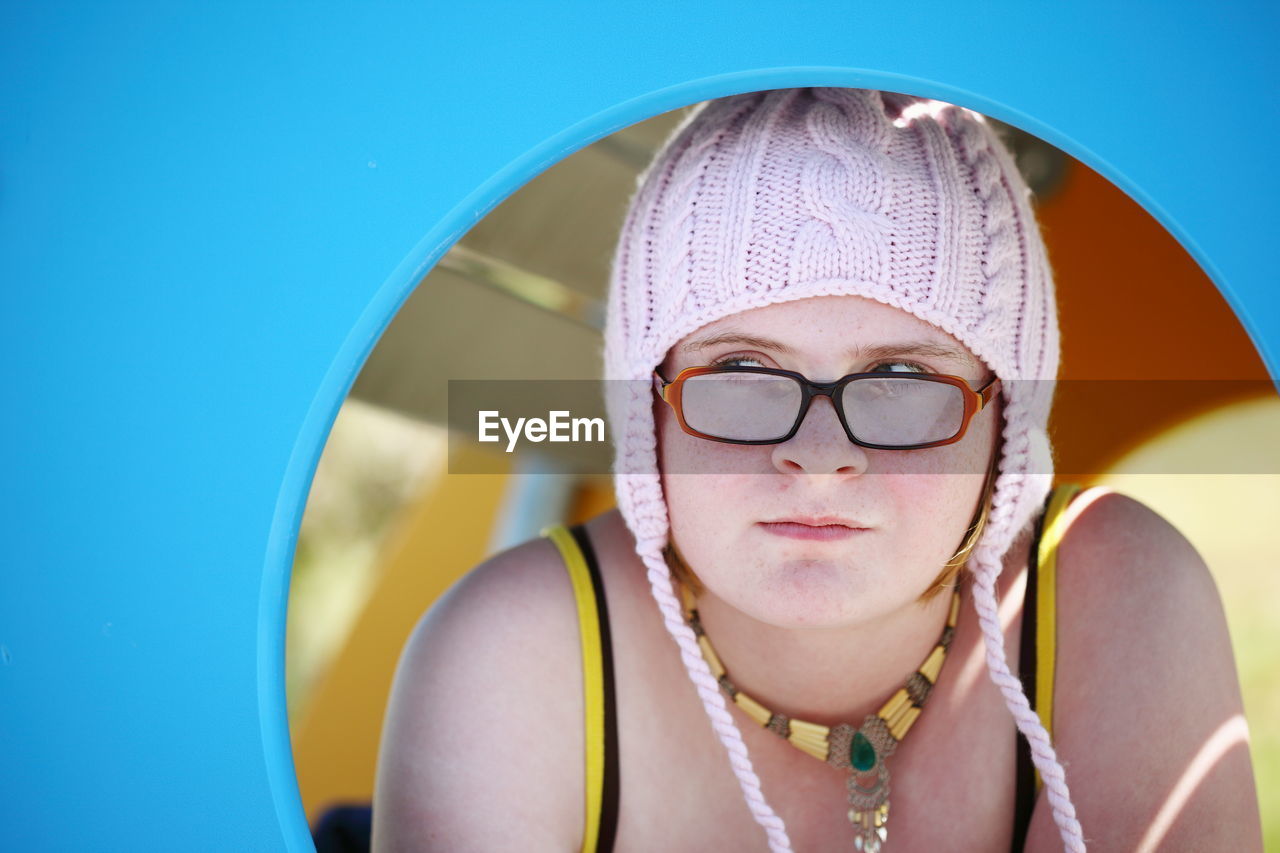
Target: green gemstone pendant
(862, 755)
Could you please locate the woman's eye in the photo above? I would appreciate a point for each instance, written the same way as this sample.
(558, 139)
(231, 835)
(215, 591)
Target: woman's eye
(734, 359)
(897, 367)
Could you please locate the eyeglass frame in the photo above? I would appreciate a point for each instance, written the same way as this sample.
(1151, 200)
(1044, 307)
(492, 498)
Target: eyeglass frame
(974, 401)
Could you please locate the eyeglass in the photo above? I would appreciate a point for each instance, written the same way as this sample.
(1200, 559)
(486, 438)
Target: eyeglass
(764, 405)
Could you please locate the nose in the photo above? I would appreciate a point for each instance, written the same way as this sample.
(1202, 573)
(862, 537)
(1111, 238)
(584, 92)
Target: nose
(820, 445)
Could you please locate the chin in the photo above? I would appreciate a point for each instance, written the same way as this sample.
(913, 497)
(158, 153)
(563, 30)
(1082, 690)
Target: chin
(808, 592)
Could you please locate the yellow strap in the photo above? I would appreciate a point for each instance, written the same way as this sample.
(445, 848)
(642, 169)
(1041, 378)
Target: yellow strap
(1055, 526)
(592, 676)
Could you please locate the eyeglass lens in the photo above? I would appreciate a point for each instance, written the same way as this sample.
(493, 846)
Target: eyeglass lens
(890, 411)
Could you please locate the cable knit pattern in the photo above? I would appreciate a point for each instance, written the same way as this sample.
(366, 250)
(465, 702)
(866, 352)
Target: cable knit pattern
(766, 197)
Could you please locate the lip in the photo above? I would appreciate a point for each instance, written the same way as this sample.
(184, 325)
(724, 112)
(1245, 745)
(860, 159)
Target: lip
(821, 528)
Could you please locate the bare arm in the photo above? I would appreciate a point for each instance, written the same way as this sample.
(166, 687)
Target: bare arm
(482, 741)
(1148, 716)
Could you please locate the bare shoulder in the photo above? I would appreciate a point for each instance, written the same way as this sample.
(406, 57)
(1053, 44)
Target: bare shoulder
(482, 738)
(1148, 719)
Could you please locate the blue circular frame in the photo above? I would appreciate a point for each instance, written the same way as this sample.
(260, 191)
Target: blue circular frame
(210, 212)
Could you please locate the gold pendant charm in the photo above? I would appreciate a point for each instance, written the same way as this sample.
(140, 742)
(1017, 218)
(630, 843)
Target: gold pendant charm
(870, 825)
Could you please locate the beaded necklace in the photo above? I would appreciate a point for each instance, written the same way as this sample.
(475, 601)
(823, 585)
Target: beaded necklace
(863, 750)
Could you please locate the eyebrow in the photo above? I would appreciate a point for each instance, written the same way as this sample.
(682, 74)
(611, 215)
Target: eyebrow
(887, 350)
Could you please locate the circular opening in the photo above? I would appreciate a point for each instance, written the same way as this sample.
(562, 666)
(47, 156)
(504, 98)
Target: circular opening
(406, 501)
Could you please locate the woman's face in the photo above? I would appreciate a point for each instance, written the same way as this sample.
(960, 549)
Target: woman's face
(910, 508)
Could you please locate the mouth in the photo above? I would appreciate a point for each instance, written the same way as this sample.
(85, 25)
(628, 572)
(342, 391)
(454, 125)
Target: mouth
(820, 528)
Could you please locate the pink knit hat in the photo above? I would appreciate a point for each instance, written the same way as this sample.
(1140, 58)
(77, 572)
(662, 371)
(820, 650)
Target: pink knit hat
(771, 196)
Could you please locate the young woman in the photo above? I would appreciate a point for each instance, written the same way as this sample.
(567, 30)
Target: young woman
(832, 336)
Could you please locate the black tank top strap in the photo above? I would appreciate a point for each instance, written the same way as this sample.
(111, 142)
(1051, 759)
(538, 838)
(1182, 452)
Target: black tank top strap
(1025, 799)
(610, 792)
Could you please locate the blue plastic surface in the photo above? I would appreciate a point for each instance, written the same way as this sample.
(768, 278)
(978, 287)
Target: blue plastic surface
(210, 212)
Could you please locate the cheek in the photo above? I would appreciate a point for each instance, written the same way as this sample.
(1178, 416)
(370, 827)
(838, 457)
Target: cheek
(682, 454)
(711, 504)
(930, 513)
(698, 480)
(933, 494)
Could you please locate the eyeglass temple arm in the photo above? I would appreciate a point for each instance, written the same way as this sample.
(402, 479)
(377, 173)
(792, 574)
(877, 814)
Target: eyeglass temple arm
(660, 384)
(988, 391)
